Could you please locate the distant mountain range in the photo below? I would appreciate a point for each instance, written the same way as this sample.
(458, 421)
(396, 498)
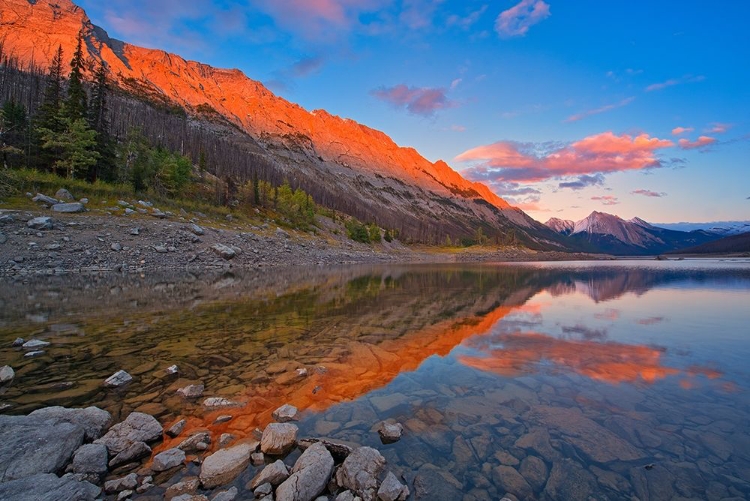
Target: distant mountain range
(724, 228)
(602, 232)
(728, 245)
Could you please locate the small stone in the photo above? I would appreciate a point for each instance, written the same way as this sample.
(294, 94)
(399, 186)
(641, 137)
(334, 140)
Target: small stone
(390, 433)
(63, 194)
(257, 458)
(116, 246)
(224, 251)
(124, 495)
(222, 419)
(172, 369)
(278, 438)
(157, 213)
(125, 483)
(176, 428)
(186, 486)
(273, 474)
(286, 413)
(6, 374)
(18, 342)
(220, 402)
(118, 379)
(195, 229)
(161, 249)
(134, 231)
(35, 353)
(34, 344)
(45, 199)
(84, 200)
(392, 490)
(191, 391)
(196, 442)
(168, 459)
(227, 495)
(263, 490)
(225, 439)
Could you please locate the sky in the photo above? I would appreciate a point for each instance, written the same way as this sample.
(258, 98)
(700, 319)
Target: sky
(562, 107)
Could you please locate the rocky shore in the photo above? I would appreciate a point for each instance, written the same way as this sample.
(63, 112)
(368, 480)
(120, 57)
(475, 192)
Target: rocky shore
(58, 453)
(61, 235)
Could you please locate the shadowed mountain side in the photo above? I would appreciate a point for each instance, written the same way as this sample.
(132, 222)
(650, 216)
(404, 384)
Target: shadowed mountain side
(345, 165)
(727, 245)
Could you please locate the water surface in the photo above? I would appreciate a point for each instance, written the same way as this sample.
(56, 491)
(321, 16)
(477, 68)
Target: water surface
(547, 381)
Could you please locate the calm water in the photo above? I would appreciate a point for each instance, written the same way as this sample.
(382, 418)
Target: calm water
(608, 380)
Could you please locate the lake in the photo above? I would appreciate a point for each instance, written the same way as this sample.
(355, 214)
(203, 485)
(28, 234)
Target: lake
(601, 380)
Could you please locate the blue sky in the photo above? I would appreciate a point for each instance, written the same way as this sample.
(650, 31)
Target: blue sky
(637, 108)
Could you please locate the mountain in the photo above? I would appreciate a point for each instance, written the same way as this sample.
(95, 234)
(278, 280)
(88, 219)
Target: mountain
(602, 232)
(356, 169)
(723, 228)
(727, 245)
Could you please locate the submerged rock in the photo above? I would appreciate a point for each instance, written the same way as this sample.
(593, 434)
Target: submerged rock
(119, 378)
(191, 391)
(389, 432)
(309, 477)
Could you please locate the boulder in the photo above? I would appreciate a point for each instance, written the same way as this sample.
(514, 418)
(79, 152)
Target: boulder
(6, 374)
(392, 490)
(309, 477)
(286, 413)
(223, 251)
(49, 487)
(224, 465)
(90, 458)
(273, 474)
(93, 420)
(69, 208)
(138, 450)
(137, 427)
(278, 438)
(128, 482)
(119, 378)
(64, 195)
(40, 223)
(360, 472)
(390, 432)
(29, 446)
(168, 459)
(191, 391)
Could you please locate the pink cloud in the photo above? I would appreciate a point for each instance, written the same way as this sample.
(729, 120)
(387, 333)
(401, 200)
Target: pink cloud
(606, 200)
(681, 130)
(468, 21)
(718, 128)
(701, 142)
(517, 20)
(674, 81)
(600, 153)
(602, 109)
(418, 100)
(648, 193)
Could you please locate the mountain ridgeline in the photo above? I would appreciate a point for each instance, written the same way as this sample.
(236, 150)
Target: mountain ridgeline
(602, 232)
(245, 132)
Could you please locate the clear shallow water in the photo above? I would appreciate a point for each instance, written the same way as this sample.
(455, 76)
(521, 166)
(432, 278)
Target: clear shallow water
(549, 381)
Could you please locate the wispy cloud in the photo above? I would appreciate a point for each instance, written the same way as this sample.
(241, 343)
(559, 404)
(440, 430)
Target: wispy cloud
(517, 20)
(681, 130)
(649, 193)
(458, 128)
(675, 81)
(602, 109)
(701, 142)
(423, 101)
(583, 182)
(600, 153)
(467, 21)
(606, 200)
(306, 66)
(718, 128)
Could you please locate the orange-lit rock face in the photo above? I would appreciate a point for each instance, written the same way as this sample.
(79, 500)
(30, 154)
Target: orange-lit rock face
(32, 33)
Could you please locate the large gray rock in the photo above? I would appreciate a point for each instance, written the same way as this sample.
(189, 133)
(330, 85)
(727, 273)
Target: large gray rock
(90, 458)
(93, 420)
(48, 487)
(224, 465)
(360, 472)
(310, 475)
(40, 223)
(168, 459)
(29, 446)
(392, 490)
(137, 427)
(273, 474)
(69, 208)
(6, 374)
(278, 438)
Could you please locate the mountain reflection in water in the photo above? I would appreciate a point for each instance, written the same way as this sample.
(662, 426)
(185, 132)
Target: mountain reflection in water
(487, 366)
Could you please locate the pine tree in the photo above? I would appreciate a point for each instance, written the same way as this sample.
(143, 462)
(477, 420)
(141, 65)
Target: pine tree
(75, 147)
(98, 120)
(48, 117)
(14, 129)
(76, 104)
